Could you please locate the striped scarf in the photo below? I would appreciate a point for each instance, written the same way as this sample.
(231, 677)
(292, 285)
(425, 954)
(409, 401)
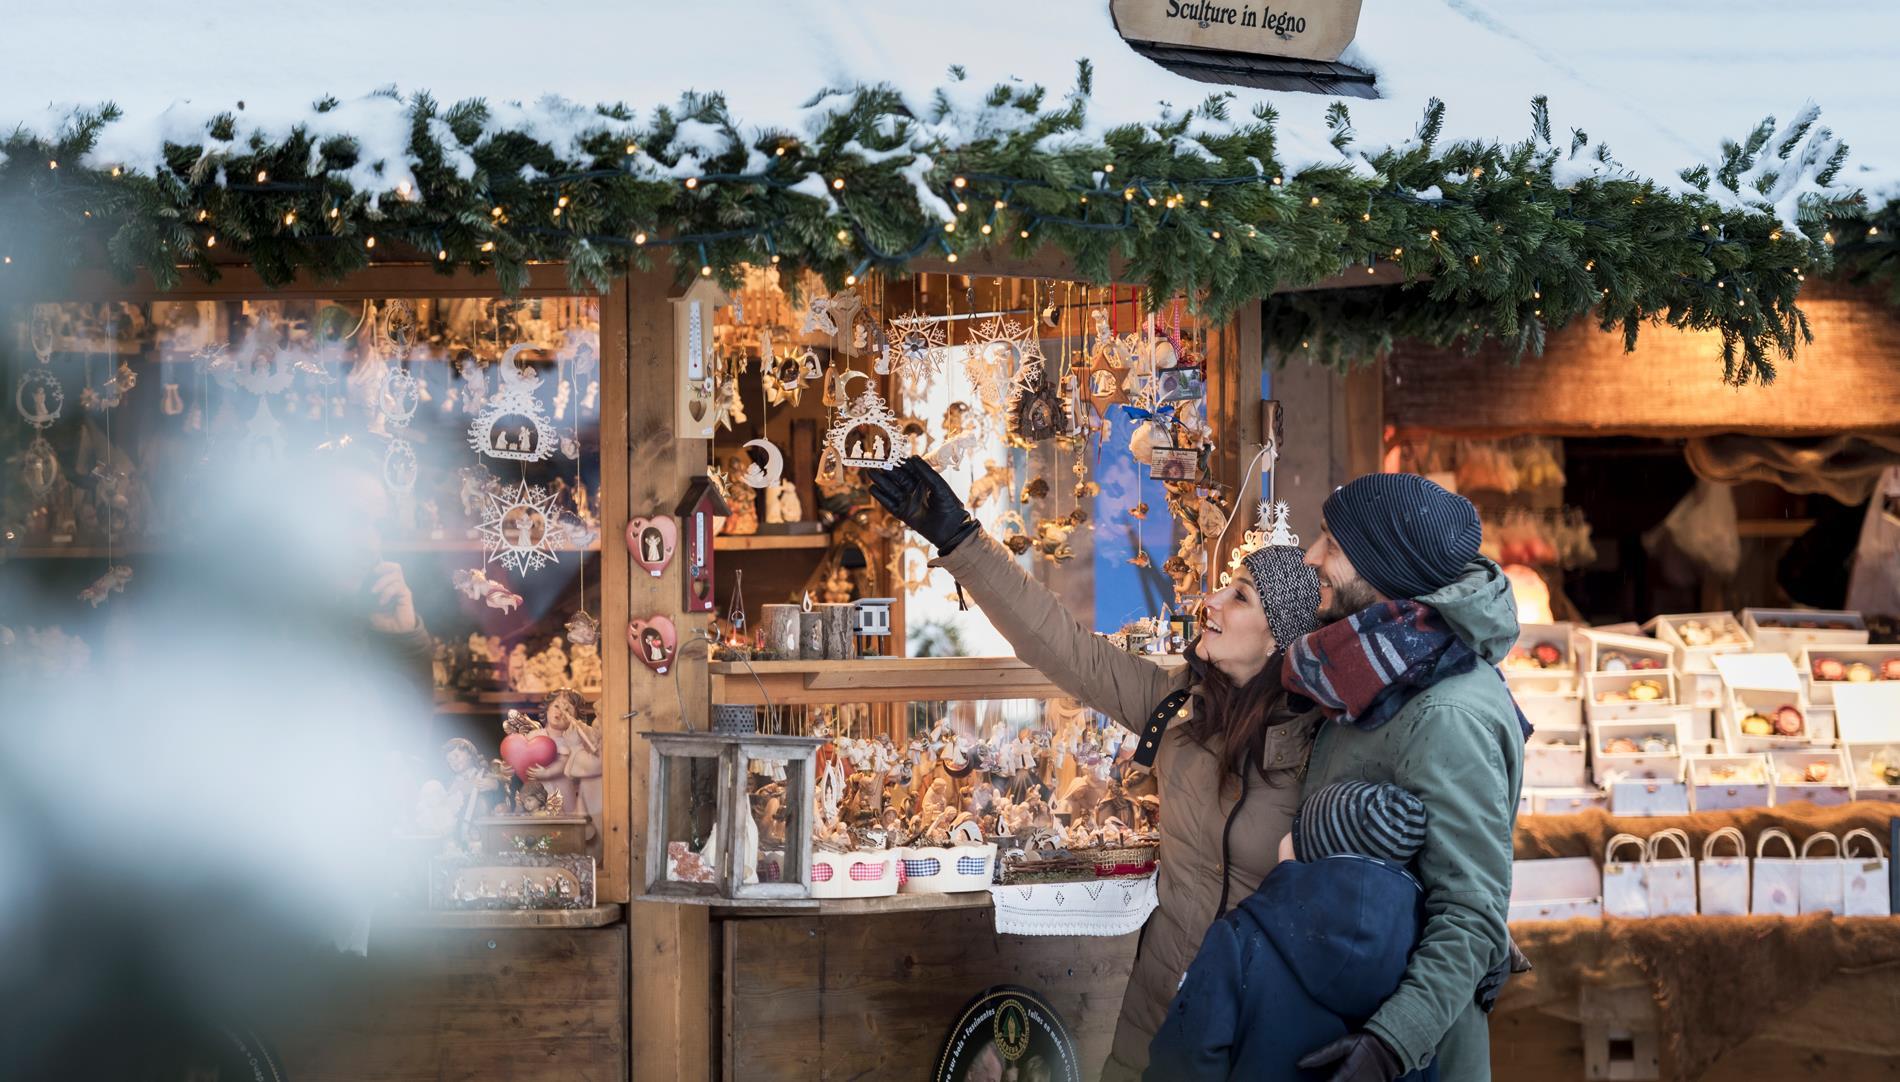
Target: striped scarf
(1365, 668)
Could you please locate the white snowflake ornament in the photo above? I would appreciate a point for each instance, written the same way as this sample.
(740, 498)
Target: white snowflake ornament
(519, 528)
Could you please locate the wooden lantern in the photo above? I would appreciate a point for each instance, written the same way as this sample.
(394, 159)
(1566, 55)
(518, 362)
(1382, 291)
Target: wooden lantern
(744, 854)
(873, 624)
(693, 314)
(696, 511)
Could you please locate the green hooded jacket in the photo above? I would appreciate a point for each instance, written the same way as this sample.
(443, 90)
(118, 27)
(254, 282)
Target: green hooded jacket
(1456, 745)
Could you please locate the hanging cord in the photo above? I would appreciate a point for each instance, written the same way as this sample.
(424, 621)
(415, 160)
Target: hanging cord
(1240, 493)
(701, 638)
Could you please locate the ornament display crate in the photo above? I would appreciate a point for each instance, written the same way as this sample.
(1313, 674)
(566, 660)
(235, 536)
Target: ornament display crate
(1613, 651)
(1651, 748)
(1791, 631)
(1676, 630)
(1879, 662)
(1126, 862)
(1552, 711)
(533, 833)
(1817, 775)
(947, 870)
(861, 873)
(1567, 801)
(1553, 760)
(1766, 686)
(1556, 675)
(1610, 696)
(1868, 720)
(1712, 790)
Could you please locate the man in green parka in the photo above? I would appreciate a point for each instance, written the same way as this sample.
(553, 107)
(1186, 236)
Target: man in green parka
(1405, 670)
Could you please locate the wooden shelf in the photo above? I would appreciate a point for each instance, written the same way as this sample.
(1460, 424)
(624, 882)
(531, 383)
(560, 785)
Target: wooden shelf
(492, 702)
(723, 908)
(885, 680)
(759, 542)
(99, 552)
(596, 917)
(1776, 528)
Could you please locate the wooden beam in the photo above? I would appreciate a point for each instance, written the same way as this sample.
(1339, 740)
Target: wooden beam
(669, 944)
(376, 282)
(615, 881)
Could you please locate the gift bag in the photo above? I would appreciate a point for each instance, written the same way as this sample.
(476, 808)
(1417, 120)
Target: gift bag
(1821, 875)
(1723, 881)
(1670, 879)
(1625, 893)
(1864, 889)
(1777, 879)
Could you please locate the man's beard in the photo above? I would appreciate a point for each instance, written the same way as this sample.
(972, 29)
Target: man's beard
(1348, 597)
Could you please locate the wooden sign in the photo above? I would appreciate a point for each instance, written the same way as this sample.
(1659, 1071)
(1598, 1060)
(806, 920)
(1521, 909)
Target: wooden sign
(1303, 29)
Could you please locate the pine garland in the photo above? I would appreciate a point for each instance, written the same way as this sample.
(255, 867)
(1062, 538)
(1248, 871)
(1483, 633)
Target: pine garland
(1495, 241)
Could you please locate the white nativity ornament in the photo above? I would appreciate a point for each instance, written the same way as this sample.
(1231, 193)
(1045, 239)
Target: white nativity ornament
(512, 424)
(519, 529)
(865, 435)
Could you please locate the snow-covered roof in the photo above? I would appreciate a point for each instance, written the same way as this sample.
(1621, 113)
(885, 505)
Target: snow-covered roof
(1655, 79)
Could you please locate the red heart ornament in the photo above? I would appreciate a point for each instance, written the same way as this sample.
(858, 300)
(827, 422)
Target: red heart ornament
(521, 752)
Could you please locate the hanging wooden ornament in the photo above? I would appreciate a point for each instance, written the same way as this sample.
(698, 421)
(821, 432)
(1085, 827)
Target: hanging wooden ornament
(915, 349)
(1037, 410)
(651, 542)
(653, 640)
(512, 425)
(866, 434)
(768, 475)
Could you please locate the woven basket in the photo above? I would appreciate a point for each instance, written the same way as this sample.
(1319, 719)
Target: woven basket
(1127, 862)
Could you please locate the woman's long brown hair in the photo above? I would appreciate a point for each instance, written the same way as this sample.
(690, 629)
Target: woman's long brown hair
(1233, 718)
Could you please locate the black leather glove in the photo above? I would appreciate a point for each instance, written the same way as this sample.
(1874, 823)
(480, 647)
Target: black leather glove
(1356, 1057)
(1493, 982)
(920, 498)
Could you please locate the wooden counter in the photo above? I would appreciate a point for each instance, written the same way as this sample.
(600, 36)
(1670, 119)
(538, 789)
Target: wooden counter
(885, 680)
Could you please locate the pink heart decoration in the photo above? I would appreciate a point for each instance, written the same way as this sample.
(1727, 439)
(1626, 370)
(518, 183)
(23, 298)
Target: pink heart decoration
(652, 641)
(651, 541)
(521, 752)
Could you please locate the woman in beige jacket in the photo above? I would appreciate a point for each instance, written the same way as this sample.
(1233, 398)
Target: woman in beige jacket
(1227, 746)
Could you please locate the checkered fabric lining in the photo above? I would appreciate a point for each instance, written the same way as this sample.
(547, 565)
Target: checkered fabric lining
(973, 866)
(870, 873)
(926, 866)
(821, 873)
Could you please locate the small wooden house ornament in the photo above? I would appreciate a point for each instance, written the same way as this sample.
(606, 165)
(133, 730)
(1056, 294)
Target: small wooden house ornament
(696, 511)
(693, 314)
(872, 625)
(1038, 411)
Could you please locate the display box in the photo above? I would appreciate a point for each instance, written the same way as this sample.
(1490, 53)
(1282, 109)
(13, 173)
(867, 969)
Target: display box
(1652, 796)
(1831, 667)
(1722, 782)
(1567, 801)
(1789, 631)
(1557, 888)
(533, 833)
(512, 881)
(1555, 760)
(1766, 708)
(1544, 658)
(1818, 775)
(1551, 711)
(1868, 720)
(1699, 637)
(947, 870)
(1611, 651)
(1646, 748)
(1620, 696)
(865, 873)
(1702, 690)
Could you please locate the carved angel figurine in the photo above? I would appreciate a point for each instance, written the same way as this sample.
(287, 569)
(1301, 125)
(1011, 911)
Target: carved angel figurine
(574, 777)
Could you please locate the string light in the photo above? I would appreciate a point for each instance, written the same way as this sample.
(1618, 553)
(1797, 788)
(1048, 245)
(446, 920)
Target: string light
(1276, 180)
(1873, 231)
(1314, 202)
(985, 229)
(1828, 237)
(777, 152)
(115, 170)
(844, 236)
(850, 279)
(1128, 194)
(1590, 265)
(1397, 252)
(691, 183)
(1434, 234)
(705, 270)
(6, 259)
(774, 257)
(262, 176)
(1215, 234)
(203, 214)
(1204, 204)
(494, 212)
(211, 241)
(1023, 234)
(962, 206)
(639, 239)
(50, 164)
(837, 184)
(402, 189)
(557, 212)
(960, 182)
(442, 255)
(334, 212)
(1109, 168)
(998, 205)
(1151, 200)
(488, 246)
(635, 149)
(950, 226)
(952, 257)
(369, 242)
(290, 217)
(561, 202)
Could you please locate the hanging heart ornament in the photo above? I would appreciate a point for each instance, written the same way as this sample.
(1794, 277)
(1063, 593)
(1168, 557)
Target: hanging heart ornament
(651, 542)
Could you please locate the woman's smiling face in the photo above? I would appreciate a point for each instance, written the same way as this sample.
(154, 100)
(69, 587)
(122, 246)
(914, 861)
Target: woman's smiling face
(1235, 637)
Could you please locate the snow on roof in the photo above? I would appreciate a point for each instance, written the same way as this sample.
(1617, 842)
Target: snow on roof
(1655, 79)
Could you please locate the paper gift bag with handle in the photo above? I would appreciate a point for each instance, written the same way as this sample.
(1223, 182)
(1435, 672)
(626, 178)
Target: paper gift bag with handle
(1723, 881)
(1670, 879)
(1625, 884)
(1863, 876)
(1777, 879)
(1821, 874)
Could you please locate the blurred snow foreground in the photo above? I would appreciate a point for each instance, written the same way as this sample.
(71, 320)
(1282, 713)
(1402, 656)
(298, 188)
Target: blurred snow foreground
(193, 825)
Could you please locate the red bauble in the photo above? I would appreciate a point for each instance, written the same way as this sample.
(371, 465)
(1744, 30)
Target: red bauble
(1890, 669)
(521, 752)
(1788, 721)
(1547, 654)
(1829, 668)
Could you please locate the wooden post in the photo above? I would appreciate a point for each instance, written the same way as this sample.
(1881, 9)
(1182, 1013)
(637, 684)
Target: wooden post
(669, 943)
(616, 881)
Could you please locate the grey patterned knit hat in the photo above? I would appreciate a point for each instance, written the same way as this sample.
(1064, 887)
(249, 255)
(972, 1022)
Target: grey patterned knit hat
(1289, 590)
(1372, 819)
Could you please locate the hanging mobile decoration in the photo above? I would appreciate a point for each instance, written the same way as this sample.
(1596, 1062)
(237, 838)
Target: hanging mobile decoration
(653, 640)
(865, 435)
(397, 327)
(113, 581)
(774, 465)
(111, 393)
(475, 585)
(43, 331)
(583, 629)
(512, 424)
(518, 527)
(39, 399)
(818, 317)
(398, 400)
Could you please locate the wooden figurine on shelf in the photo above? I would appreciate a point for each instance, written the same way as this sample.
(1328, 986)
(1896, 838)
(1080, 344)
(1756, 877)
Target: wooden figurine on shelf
(574, 777)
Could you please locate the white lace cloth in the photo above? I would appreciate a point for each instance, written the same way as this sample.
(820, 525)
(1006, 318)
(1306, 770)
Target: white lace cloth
(1104, 907)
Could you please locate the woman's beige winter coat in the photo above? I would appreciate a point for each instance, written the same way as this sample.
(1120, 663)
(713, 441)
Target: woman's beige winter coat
(1195, 805)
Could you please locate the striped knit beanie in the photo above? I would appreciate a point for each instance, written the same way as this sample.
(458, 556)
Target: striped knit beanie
(1288, 589)
(1405, 535)
(1372, 819)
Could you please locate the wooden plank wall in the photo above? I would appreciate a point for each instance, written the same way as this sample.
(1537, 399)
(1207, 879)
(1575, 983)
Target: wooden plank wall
(438, 1006)
(669, 944)
(1586, 385)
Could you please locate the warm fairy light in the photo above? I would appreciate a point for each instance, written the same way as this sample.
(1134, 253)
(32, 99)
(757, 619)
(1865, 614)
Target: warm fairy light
(488, 246)
(369, 242)
(557, 212)
(1276, 180)
(1474, 260)
(1204, 204)
(998, 205)
(262, 176)
(203, 214)
(775, 257)
(1537, 294)
(691, 183)
(705, 270)
(1705, 227)
(442, 254)
(50, 164)
(1128, 194)
(1397, 252)
(960, 182)
(115, 170)
(402, 189)
(1314, 202)
(1085, 199)
(777, 152)
(1151, 200)
(962, 206)
(1305, 344)
(1366, 217)
(211, 241)
(837, 184)
(1828, 237)
(850, 279)
(494, 212)
(290, 217)
(1370, 269)
(6, 259)
(844, 236)
(1023, 234)
(1719, 283)
(634, 149)
(952, 257)
(1215, 234)
(1434, 234)
(334, 212)
(639, 238)
(561, 202)
(1590, 265)
(1539, 313)
(1109, 168)
(985, 229)
(1873, 231)
(950, 227)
